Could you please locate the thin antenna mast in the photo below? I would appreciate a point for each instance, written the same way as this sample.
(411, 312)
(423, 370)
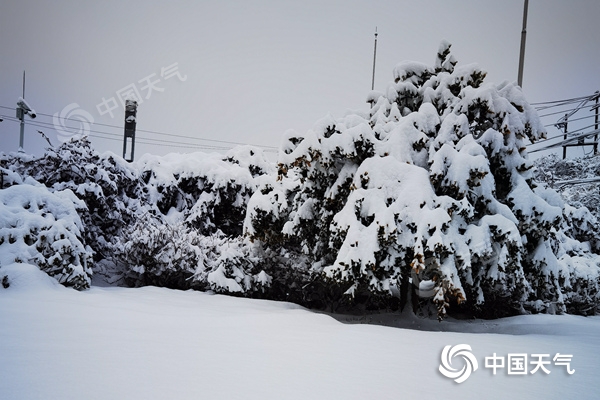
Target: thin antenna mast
(374, 59)
(523, 36)
(23, 84)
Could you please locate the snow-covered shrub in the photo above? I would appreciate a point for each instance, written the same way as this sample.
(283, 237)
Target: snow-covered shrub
(289, 276)
(157, 219)
(193, 240)
(431, 189)
(250, 158)
(106, 184)
(176, 255)
(568, 177)
(154, 252)
(578, 240)
(43, 228)
(210, 192)
(191, 235)
(232, 268)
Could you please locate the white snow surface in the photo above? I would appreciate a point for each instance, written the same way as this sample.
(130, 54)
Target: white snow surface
(156, 343)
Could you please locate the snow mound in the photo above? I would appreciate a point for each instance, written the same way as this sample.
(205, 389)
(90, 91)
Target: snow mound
(21, 277)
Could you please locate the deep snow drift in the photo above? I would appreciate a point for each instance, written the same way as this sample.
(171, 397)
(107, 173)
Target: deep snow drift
(155, 343)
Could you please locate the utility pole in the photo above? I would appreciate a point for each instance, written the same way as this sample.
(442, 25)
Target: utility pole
(596, 123)
(523, 36)
(565, 136)
(22, 109)
(372, 101)
(374, 58)
(22, 115)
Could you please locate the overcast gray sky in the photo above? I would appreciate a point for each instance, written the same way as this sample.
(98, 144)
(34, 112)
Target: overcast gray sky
(246, 71)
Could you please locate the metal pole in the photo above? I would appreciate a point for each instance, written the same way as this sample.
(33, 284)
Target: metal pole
(125, 146)
(596, 125)
(374, 58)
(523, 36)
(22, 132)
(565, 137)
(22, 115)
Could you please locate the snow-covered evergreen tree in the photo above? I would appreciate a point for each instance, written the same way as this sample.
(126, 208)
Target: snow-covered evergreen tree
(432, 187)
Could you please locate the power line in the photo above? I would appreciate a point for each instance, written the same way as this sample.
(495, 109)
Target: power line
(547, 139)
(540, 106)
(148, 141)
(572, 120)
(568, 110)
(573, 99)
(580, 129)
(152, 132)
(211, 140)
(567, 141)
(169, 134)
(565, 110)
(50, 125)
(143, 140)
(169, 144)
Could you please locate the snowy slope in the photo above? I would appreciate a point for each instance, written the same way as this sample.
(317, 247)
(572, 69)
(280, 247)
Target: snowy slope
(153, 343)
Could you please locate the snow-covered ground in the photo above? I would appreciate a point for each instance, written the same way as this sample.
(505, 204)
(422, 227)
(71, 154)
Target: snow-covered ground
(153, 343)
